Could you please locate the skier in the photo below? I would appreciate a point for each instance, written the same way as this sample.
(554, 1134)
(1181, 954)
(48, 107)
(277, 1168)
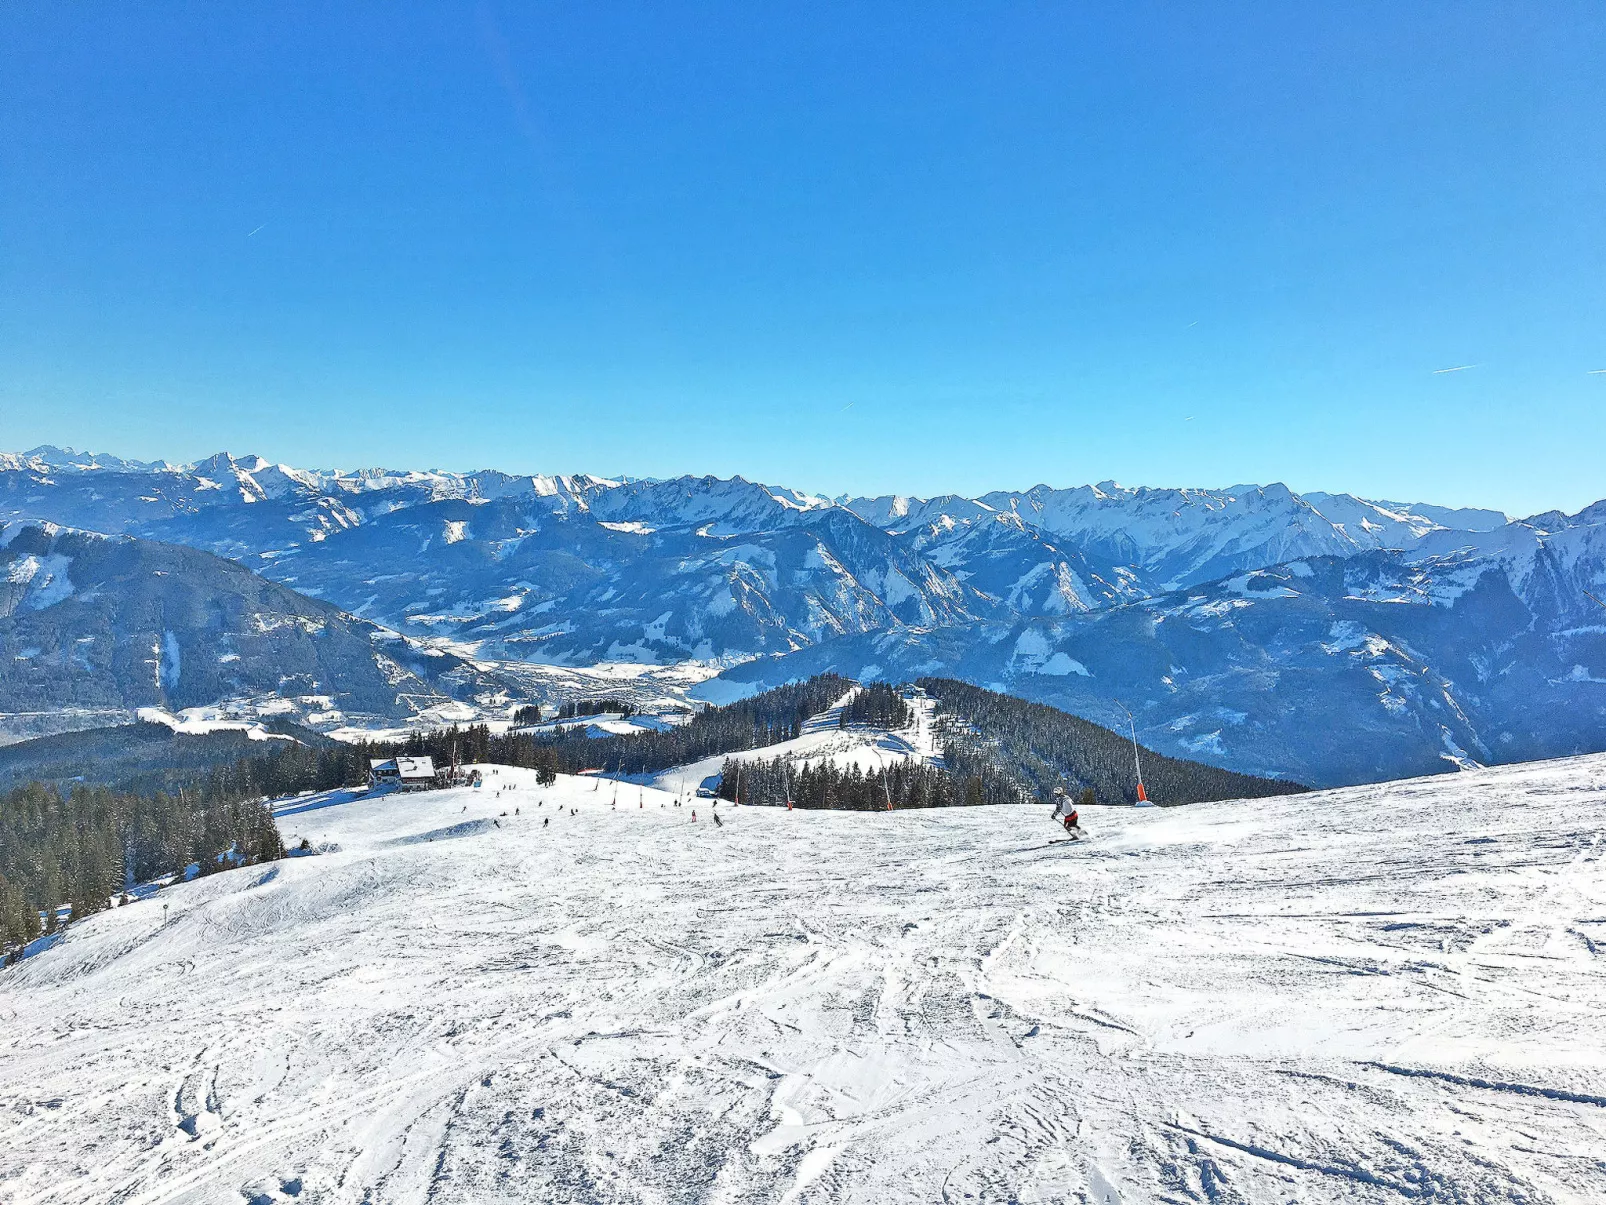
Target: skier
(1065, 811)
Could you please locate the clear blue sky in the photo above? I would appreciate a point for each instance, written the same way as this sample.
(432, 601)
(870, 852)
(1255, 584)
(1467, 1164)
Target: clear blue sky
(867, 248)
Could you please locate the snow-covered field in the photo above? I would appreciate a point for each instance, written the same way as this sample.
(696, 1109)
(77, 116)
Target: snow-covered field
(1378, 994)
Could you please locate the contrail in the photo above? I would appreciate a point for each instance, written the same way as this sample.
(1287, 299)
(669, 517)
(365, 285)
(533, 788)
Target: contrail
(1457, 368)
(253, 234)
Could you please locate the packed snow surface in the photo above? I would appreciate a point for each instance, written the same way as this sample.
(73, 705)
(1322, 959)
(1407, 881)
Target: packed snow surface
(1379, 994)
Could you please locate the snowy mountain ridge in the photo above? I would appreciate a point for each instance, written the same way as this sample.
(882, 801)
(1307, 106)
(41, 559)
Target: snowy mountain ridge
(1087, 510)
(1040, 551)
(1075, 597)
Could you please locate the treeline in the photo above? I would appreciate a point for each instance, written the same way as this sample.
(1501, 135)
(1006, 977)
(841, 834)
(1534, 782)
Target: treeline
(824, 785)
(1041, 747)
(137, 759)
(879, 705)
(288, 769)
(292, 769)
(475, 744)
(83, 847)
(765, 719)
(580, 707)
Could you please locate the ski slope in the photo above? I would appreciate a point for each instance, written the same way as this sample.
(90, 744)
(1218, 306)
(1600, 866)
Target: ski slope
(1380, 994)
(863, 745)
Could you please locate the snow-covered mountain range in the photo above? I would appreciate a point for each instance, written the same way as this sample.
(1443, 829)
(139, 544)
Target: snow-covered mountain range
(1323, 636)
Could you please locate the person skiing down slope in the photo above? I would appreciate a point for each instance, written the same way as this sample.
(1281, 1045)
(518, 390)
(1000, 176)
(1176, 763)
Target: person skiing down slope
(1065, 811)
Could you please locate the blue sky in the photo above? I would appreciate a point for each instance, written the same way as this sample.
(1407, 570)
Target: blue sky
(867, 248)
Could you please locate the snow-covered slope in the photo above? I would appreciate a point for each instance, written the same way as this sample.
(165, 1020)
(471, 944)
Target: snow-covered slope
(1181, 537)
(1377, 995)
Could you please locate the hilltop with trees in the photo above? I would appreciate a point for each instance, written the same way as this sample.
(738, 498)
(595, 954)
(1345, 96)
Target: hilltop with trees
(1040, 747)
(81, 848)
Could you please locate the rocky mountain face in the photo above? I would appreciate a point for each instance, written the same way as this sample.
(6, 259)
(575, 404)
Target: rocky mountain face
(1324, 669)
(574, 570)
(1137, 542)
(1322, 636)
(93, 628)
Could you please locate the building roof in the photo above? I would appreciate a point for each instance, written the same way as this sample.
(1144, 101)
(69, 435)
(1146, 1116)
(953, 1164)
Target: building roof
(416, 767)
(403, 767)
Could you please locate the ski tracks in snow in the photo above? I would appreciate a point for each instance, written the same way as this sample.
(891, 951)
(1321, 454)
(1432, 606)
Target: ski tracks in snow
(1384, 994)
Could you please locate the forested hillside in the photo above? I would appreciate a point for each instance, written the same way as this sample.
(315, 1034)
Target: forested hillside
(1041, 747)
(879, 704)
(83, 847)
(143, 758)
(780, 782)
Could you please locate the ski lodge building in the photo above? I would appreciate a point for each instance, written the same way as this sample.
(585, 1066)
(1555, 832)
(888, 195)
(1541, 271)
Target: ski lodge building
(406, 773)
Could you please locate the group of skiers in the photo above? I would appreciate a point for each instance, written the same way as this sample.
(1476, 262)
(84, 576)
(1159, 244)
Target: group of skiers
(1064, 812)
